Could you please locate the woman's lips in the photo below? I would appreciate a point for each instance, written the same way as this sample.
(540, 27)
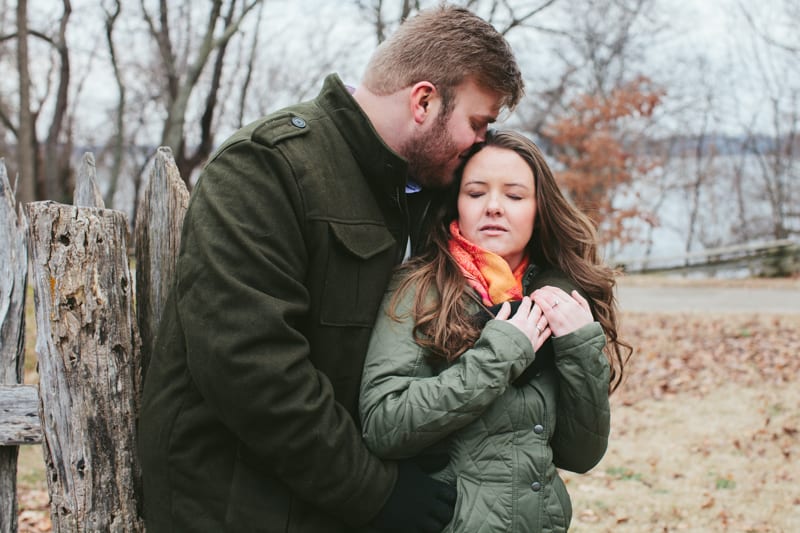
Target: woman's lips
(493, 230)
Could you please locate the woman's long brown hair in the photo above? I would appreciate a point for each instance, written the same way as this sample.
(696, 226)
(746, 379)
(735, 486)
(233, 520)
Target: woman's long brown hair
(563, 238)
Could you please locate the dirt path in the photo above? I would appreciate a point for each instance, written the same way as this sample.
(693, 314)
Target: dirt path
(653, 295)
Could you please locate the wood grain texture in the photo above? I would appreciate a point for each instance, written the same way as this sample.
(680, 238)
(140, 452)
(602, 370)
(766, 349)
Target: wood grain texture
(19, 410)
(13, 284)
(87, 193)
(89, 366)
(159, 219)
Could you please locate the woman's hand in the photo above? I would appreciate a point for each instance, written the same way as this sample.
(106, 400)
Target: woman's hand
(564, 313)
(528, 319)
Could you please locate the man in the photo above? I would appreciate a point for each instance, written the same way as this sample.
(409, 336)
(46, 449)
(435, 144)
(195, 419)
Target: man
(249, 412)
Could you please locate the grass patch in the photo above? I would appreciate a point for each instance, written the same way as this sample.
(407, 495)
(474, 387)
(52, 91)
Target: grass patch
(30, 467)
(723, 482)
(623, 473)
(30, 463)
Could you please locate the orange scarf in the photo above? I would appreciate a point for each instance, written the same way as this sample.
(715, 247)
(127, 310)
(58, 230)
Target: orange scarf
(486, 272)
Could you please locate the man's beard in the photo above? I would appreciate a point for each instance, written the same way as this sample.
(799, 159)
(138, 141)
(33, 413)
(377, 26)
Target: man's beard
(430, 156)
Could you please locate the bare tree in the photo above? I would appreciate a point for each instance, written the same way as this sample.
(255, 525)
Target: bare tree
(701, 159)
(744, 231)
(374, 12)
(26, 133)
(324, 48)
(506, 15)
(248, 75)
(605, 39)
(790, 15)
(57, 148)
(119, 139)
(503, 14)
(182, 73)
(772, 131)
(594, 46)
(43, 165)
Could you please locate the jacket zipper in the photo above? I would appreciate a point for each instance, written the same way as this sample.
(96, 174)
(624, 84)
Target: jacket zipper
(527, 279)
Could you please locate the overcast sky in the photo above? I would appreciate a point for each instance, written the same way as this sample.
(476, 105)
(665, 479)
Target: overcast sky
(712, 28)
(704, 48)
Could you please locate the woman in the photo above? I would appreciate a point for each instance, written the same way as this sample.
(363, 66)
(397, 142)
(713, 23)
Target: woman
(512, 398)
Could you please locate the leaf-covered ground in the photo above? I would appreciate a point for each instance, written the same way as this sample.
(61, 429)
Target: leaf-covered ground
(704, 432)
(704, 429)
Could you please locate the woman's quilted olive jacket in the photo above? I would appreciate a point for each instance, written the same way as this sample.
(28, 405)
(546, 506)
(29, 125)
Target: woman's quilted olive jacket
(506, 430)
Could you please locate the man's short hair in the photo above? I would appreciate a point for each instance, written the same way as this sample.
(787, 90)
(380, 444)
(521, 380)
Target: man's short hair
(446, 46)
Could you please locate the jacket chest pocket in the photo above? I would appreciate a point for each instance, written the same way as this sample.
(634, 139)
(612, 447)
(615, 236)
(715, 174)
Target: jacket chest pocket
(359, 264)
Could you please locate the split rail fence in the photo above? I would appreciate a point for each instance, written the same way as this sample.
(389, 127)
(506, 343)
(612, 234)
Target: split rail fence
(773, 258)
(94, 330)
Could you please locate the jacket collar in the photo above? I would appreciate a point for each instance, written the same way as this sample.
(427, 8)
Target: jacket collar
(382, 166)
(527, 278)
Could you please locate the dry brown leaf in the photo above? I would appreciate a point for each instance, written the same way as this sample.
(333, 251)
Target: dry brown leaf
(694, 353)
(708, 503)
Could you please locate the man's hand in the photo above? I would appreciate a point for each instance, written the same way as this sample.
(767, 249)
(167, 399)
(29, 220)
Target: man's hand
(418, 503)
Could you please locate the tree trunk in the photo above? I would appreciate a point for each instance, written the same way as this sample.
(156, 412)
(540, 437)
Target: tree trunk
(25, 139)
(56, 152)
(89, 367)
(118, 141)
(180, 88)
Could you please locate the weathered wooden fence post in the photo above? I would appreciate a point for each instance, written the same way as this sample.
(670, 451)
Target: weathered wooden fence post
(159, 219)
(87, 193)
(89, 366)
(13, 280)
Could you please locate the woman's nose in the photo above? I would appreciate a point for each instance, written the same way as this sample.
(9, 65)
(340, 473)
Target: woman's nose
(493, 206)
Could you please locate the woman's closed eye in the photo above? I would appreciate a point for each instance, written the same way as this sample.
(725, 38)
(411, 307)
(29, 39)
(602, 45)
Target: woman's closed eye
(474, 192)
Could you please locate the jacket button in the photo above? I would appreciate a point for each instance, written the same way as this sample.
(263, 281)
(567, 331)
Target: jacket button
(538, 429)
(298, 122)
(536, 486)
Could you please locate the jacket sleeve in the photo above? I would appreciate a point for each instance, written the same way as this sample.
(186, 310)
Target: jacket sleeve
(241, 300)
(583, 414)
(405, 407)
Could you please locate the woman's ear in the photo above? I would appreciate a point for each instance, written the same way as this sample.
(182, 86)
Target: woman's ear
(424, 101)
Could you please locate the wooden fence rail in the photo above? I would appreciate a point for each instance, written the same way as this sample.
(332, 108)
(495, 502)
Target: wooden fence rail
(770, 258)
(88, 343)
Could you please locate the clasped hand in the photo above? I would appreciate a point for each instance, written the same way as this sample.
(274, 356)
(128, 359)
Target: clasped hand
(549, 311)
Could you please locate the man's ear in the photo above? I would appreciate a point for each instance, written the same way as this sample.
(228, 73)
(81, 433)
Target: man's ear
(424, 101)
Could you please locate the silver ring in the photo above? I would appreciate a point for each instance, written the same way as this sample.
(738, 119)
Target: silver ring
(538, 329)
(555, 302)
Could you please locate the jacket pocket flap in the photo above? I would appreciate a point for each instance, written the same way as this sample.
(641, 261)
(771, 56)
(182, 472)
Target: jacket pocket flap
(362, 240)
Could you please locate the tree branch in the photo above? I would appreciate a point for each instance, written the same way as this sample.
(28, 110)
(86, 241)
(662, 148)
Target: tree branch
(764, 35)
(34, 33)
(7, 123)
(518, 21)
